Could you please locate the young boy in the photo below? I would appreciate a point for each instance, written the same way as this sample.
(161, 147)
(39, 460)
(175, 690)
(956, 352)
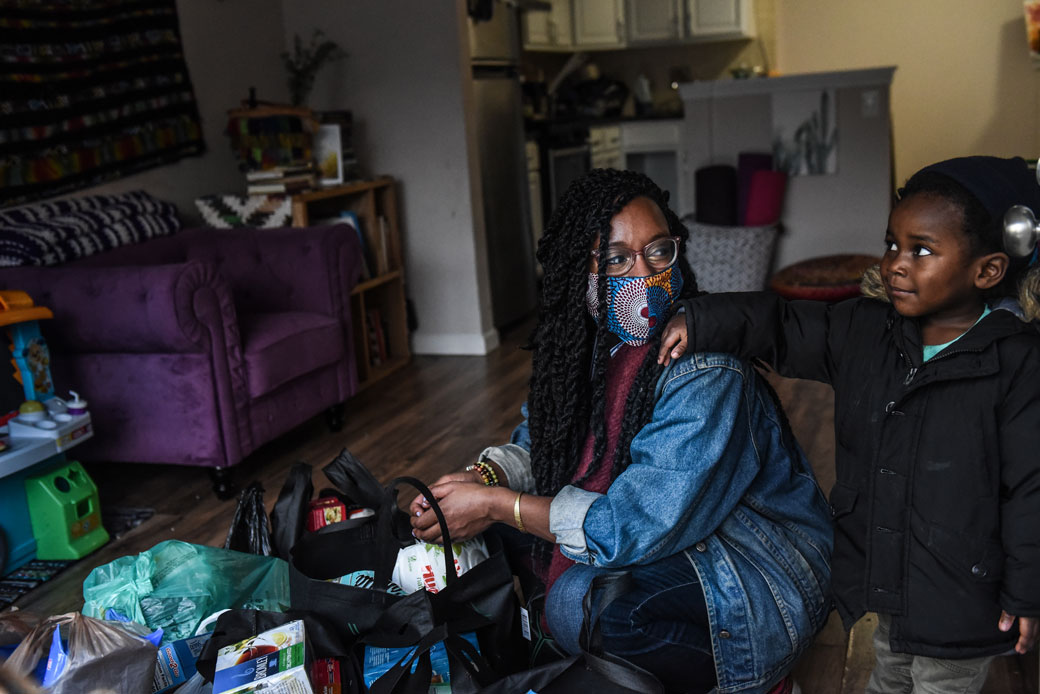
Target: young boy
(936, 506)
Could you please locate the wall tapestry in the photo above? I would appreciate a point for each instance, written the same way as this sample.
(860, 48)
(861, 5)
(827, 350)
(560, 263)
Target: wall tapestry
(90, 91)
(805, 132)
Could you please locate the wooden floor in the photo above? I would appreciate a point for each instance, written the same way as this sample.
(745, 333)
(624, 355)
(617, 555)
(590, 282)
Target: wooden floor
(433, 417)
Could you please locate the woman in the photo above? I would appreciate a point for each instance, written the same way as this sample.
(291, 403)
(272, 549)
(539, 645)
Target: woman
(686, 475)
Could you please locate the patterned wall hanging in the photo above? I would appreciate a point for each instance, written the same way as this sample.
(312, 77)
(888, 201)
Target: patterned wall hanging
(90, 91)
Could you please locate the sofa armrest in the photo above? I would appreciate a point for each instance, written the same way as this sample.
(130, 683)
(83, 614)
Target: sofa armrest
(147, 309)
(310, 269)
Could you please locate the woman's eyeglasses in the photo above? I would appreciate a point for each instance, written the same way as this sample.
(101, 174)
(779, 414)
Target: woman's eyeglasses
(659, 254)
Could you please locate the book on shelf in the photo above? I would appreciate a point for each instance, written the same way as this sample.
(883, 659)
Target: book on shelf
(351, 219)
(279, 172)
(294, 184)
(377, 349)
(383, 257)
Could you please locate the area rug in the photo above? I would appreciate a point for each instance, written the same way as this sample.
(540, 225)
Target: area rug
(90, 91)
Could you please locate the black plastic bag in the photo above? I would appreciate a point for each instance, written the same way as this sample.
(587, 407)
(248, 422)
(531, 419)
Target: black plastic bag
(249, 532)
(289, 515)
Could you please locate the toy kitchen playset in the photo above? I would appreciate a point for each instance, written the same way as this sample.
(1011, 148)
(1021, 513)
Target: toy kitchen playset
(49, 506)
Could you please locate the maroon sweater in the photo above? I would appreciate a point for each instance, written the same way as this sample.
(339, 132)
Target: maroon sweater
(621, 372)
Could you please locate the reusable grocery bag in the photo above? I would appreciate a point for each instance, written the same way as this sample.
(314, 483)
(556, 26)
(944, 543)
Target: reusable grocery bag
(234, 626)
(175, 585)
(467, 670)
(481, 600)
(289, 515)
(593, 670)
(100, 656)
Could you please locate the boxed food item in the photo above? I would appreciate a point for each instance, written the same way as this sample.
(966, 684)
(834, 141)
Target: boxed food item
(324, 511)
(272, 661)
(175, 663)
(326, 677)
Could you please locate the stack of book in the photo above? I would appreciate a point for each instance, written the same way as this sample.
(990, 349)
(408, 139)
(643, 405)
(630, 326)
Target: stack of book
(281, 179)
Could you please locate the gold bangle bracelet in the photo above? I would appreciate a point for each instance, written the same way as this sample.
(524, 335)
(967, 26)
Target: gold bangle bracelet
(516, 513)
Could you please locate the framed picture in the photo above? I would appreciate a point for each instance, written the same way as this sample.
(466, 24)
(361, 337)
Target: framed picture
(328, 154)
(805, 132)
(1032, 10)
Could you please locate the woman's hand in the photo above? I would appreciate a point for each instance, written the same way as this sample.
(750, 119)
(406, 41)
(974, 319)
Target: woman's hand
(674, 340)
(419, 502)
(468, 508)
(1027, 630)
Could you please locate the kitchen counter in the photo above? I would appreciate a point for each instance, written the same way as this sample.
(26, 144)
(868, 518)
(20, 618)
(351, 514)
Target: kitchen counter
(535, 126)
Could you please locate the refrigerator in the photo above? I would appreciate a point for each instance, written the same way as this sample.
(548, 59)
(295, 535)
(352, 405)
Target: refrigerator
(495, 53)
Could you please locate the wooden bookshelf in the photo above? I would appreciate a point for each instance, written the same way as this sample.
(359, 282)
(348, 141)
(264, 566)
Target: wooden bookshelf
(377, 302)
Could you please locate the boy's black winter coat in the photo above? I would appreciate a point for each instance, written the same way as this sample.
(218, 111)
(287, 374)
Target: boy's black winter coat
(937, 500)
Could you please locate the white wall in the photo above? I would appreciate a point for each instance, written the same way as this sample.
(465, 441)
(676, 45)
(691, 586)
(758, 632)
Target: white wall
(964, 83)
(842, 212)
(406, 79)
(229, 46)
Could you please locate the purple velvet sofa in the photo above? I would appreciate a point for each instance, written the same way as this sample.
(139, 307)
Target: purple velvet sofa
(197, 348)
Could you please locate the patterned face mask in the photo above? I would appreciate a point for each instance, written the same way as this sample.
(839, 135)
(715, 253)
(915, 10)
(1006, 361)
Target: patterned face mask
(636, 306)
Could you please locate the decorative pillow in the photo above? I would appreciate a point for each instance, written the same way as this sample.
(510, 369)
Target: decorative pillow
(252, 211)
(730, 259)
(50, 233)
(827, 278)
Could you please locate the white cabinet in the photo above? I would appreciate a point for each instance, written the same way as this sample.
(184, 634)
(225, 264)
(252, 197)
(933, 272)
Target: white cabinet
(573, 25)
(654, 147)
(599, 23)
(718, 19)
(550, 30)
(654, 21)
(605, 147)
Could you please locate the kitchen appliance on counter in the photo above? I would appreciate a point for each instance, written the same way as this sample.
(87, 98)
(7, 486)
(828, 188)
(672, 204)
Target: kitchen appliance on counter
(495, 50)
(565, 156)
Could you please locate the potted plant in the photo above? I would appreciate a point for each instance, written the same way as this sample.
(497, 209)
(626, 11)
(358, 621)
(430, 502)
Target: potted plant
(304, 63)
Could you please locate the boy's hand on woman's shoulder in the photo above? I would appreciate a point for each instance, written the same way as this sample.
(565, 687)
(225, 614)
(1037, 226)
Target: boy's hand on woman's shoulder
(674, 340)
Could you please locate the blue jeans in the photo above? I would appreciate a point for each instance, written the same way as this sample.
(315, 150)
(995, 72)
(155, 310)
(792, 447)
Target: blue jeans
(661, 625)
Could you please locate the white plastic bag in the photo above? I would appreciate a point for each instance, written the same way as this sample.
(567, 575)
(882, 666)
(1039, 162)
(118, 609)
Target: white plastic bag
(422, 565)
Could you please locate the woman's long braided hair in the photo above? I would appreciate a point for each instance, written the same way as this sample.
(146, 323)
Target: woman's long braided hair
(568, 380)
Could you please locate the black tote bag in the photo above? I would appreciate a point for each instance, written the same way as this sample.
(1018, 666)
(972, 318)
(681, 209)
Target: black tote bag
(354, 545)
(480, 600)
(592, 670)
(469, 670)
(321, 642)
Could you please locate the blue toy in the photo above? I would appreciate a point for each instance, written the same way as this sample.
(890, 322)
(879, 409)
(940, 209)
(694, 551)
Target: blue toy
(32, 359)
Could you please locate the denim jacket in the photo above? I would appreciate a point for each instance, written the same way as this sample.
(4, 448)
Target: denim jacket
(713, 476)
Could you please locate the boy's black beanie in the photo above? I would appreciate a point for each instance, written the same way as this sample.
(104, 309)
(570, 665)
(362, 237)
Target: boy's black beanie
(997, 183)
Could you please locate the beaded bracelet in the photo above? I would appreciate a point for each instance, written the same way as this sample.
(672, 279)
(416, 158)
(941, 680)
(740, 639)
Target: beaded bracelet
(486, 472)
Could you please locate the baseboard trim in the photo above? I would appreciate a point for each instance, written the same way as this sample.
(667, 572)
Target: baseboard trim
(455, 343)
